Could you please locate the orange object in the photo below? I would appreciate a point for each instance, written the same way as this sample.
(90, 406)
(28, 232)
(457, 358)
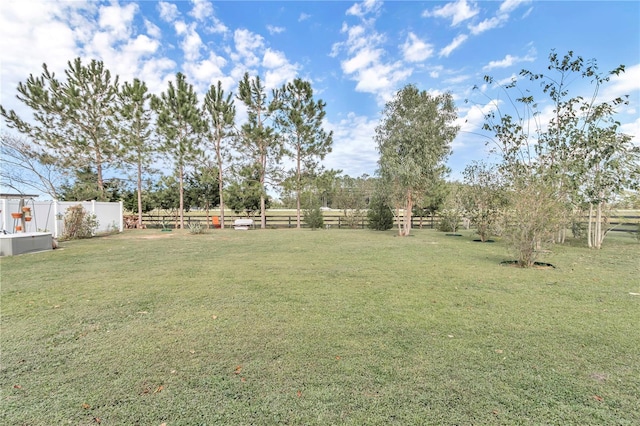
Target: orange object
(18, 228)
(216, 221)
(27, 218)
(16, 215)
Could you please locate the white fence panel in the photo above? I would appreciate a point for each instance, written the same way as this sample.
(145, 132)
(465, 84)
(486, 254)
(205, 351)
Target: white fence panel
(48, 216)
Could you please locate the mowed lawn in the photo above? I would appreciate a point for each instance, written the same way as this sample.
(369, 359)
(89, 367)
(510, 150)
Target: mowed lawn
(305, 327)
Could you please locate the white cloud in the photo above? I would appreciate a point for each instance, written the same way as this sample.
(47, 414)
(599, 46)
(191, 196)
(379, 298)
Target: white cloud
(363, 59)
(416, 50)
(354, 149)
(279, 69)
(273, 59)
(458, 11)
(191, 43)
(364, 8)
(501, 17)
(509, 61)
(509, 6)
(206, 72)
(303, 17)
(168, 11)
(446, 51)
(248, 45)
(117, 20)
(487, 24)
(275, 30)
(202, 10)
(152, 29)
(36, 32)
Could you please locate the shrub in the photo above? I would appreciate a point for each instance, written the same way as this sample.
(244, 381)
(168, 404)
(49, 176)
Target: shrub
(449, 220)
(196, 228)
(380, 215)
(78, 223)
(313, 218)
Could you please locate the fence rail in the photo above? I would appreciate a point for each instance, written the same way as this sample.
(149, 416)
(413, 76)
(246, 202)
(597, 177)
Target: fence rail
(272, 221)
(335, 219)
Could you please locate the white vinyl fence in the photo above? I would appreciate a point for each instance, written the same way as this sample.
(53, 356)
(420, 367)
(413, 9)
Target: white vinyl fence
(48, 216)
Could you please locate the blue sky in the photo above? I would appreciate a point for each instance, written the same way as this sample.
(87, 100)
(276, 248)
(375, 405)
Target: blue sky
(356, 54)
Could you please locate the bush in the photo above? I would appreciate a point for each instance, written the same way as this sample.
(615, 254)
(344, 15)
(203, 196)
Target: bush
(78, 223)
(313, 218)
(380, 216)
(196, 228)
(449, 220)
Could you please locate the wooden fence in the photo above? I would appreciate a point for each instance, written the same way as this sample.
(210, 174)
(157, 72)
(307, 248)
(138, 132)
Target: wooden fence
(625, 222)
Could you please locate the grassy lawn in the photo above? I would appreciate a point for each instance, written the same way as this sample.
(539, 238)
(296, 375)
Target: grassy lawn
(318, 328)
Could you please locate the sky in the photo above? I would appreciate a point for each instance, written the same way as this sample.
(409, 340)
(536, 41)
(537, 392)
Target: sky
(356, 55)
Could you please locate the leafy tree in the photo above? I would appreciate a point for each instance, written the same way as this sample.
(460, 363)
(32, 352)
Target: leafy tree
(258, 142)
(579, 156)
(300, 120)
(135, 133)
(26, 167)
(165, 194)
(413, 140)
(245, 195)
(221, 113)
(201, 188)
(483, 199)
(179, 122)
(72, 119)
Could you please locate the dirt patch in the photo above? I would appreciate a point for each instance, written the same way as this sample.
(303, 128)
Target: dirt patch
(536, 265)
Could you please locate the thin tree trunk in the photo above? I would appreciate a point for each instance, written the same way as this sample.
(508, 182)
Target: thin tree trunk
(598, 236)
(220, 182)
(139, 194)
(590, 227)
(298, 189)
(181, 180)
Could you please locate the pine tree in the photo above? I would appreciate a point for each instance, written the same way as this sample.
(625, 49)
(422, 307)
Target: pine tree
(258, 140)
(135, 133)
(72, 119)
(221, 116)
(179, 123)
(300, 120)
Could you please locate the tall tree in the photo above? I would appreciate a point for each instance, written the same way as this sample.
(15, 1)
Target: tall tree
(414, 139)
(180, 124)
(72, 119)
(221, 114)
(300, 120)
(258, 139)
(135, 132)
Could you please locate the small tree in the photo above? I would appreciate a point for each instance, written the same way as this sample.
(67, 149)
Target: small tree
(313, 218)
(483, 198)
(380, 215)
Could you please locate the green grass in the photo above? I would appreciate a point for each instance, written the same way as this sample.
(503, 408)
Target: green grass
(318, 328)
